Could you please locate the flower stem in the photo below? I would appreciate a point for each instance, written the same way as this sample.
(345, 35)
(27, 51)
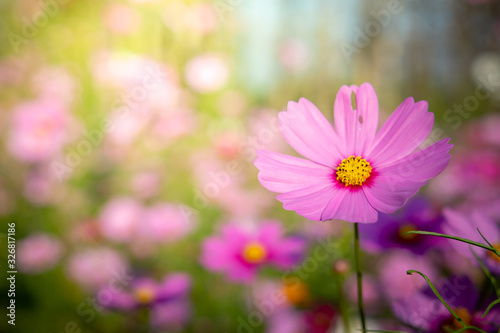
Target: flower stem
(359, 274)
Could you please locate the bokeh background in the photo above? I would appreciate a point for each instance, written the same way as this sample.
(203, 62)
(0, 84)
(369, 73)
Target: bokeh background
(129, 130)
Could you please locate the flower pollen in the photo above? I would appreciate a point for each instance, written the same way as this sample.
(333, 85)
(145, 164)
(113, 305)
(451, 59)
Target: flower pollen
(353, 171)
(254, 253)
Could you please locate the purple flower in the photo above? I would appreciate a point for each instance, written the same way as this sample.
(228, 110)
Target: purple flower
(167, 300)
(423, 310)
(145, 291)
(466, 226)
(389, 230)
(239, 252)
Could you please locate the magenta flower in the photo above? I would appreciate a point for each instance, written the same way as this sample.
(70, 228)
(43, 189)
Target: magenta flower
(168, 300)
(239, 253)
(352, 171)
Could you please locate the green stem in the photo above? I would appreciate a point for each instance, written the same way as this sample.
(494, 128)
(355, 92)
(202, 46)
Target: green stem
(359, 274)
(468, 241)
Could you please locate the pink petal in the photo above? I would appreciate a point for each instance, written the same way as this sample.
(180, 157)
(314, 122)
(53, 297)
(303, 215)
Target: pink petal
(310, 202)
(395, 183)
(309, 133)
(282, 173)
(270, 232)
(352, 206)
(402, 133)
(215, 254)
(288, 252)
(356, 128)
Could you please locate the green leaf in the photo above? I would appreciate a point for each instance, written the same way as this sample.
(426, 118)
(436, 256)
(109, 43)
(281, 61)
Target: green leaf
(438, 296)
(470, 328)
(487, 273)
(383, 331)
(492, 304)
(484, 238)
(464, 240)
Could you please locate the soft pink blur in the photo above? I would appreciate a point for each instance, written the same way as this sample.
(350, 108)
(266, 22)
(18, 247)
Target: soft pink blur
(93, 268)
(38, 130)
(207, 73)
(38, 252)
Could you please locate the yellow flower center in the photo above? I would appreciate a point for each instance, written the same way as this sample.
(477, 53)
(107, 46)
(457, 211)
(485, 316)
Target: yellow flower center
(144, 295)
(493, 255)
(296, 293)
(353, 171)
(254, 253)
(405, 228)
(451, 324)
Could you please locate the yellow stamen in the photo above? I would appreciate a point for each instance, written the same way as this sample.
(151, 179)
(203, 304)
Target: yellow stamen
(254, 253)
(353, 171)
(405, 228)
(144, 295)
(493, 255)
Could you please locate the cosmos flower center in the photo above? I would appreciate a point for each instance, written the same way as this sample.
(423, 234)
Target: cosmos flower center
(493, 255)
(296, 293)
(453, 324)
(405, 228)
(254, 253)
(353, 171)
(144, 295)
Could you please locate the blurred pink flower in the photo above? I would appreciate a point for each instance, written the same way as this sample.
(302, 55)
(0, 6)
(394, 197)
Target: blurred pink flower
(93, 268)
(169, 126)
(352, 171)
(124, 128)
(473, 174)
(133, 71)
(41, 186)
(38, 252)
(38, 131)
(395, 282)
(146, 184)
(55, 83)
(371, 292)
(121, 18)
(227, 144)
(466, 225)
(242, 203)
(239, 253)
(145, 292)
(120, 218)
(207, 73)
(165, 222)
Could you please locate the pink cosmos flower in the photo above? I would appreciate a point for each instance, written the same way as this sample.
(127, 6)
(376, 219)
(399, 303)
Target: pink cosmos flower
(38, 253)
(166, 222)
(120, 218)
(352, 171)
(239, 253)
(39, 130)
(93, 268)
